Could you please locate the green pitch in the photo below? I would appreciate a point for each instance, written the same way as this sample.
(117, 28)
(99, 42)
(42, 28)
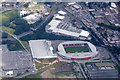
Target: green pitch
(77, 49)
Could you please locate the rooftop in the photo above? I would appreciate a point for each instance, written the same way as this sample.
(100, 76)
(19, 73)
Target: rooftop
(41, 49)
(32, 18)
(62, 12)
(57, 27)
(59, 17)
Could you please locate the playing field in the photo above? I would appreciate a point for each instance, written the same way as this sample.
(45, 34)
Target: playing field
(77, 49)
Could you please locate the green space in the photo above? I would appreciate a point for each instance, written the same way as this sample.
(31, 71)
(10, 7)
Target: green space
(117, 67)
(38, 75)
(18, 26)
(77, 49)
(21, 26)
(52, 66)
(47, 60)
(37, 6)
(26, 45)
(13, 45)
(9, 15)
(7, 29)
(5, 35)
(38, 65)
(26, 5)
(41, 34)
(64, 73)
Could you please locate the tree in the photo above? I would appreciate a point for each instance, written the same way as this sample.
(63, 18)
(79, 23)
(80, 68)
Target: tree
(26, 5)
(21, 26)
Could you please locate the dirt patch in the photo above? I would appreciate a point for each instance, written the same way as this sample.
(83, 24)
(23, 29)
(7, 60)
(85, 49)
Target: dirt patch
(47, 74)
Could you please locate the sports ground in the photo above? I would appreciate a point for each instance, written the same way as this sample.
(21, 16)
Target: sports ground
(76, 48)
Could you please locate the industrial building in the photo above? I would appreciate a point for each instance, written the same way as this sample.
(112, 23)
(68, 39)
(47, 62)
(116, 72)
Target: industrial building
(61, 24)
(41, 49)
(32, 18)
(62, 12)
(101, 70)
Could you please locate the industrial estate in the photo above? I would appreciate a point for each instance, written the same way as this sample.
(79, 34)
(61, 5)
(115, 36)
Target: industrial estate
(68, 40)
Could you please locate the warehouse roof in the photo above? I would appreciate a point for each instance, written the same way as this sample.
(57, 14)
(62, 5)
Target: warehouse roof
(54, 24)
(62, 12)
(84, 33)
(66, 32)
(40, 49)
(59, 17)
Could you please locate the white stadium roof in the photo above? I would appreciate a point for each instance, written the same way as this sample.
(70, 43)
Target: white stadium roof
(62, 12)
(93, 49)
(41, 49)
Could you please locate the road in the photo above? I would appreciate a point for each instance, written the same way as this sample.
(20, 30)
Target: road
(83, 72)
(15, 37)
(26, 74)
(79, 21)
(18, 7)
(37, 27)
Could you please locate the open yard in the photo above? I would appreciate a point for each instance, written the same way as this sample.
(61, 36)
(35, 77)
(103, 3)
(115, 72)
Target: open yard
(40, 71)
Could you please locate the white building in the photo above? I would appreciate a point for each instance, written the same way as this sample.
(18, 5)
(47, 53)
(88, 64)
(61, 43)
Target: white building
(23, 12)
(59, 17)
(32, 18)
(41, 49)
(62, 12)
(53, 27)
(113, 5)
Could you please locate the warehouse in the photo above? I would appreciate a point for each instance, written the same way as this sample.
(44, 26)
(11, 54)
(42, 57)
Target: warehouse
(41, 49)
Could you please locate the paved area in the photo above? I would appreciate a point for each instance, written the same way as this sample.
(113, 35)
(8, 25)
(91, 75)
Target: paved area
(16, 61)
(0, 61)
(55, 44)
(104, 54)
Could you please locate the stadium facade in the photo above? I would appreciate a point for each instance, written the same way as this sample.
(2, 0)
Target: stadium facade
(77, 50)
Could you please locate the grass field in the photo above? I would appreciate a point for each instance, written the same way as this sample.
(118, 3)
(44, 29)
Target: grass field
(8, 15)
(77, 49)
(7, 29)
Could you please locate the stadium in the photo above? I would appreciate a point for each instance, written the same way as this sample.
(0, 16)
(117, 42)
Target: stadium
(76, 50)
